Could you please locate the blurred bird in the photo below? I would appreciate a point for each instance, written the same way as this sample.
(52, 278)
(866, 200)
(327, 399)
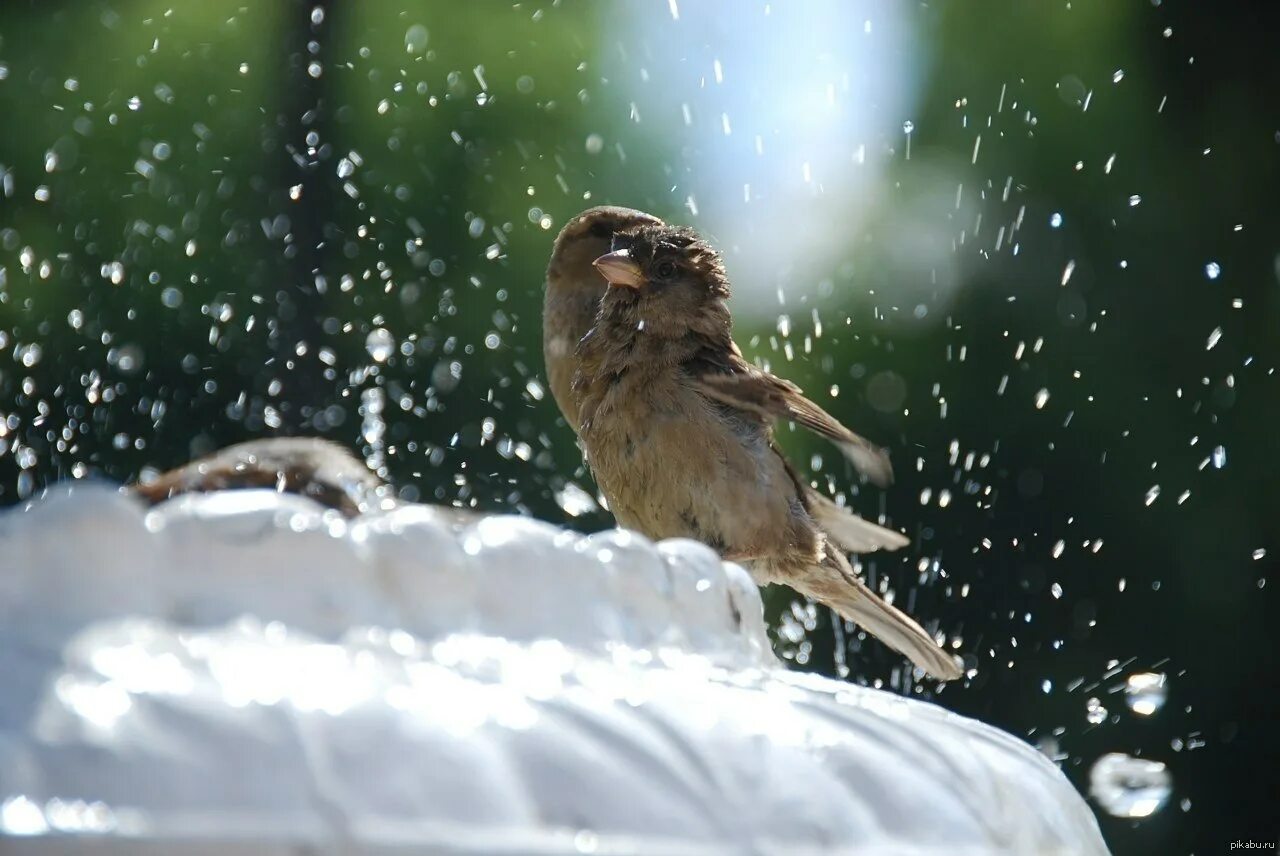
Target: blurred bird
(323, 471)
(677, 426)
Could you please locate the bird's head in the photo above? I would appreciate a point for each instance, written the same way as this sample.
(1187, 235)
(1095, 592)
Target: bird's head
(585, 238)
(668, 272)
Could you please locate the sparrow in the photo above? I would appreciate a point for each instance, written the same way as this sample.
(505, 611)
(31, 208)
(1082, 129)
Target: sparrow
(677, 427)
(321, 470)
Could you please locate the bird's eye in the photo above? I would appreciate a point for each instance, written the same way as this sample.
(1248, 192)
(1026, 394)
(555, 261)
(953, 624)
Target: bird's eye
(666, 270)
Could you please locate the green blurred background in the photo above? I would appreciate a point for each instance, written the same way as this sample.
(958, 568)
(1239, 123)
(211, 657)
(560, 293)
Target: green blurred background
(1033, 248)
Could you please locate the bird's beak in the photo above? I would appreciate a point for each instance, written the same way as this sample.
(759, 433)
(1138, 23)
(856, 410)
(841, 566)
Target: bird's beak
(620, 269)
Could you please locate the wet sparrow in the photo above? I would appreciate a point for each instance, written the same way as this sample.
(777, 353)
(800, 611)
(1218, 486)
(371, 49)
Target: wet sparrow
(678, 427)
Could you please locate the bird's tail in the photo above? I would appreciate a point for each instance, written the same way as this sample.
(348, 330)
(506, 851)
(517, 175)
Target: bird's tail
(835, 584)
(849, 530)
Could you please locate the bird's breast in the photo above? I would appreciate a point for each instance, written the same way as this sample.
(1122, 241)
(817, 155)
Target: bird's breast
(673, 465)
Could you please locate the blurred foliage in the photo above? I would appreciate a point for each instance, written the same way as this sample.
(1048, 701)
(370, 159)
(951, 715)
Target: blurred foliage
(206, 210)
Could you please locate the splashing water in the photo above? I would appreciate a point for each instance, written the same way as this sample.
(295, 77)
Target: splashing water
(380, 344)
(1145, 693)
(1129, 787)
(575, 501)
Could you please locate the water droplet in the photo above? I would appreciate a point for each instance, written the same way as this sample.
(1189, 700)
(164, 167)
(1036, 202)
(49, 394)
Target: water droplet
(373, 428)
(1055, 220)
(380, 344)
(575, 501)
(1145, 692)
(1069, 269)
(29, 355)
(127, 358)
(446, 375)
(1129, 787)
(415, 39)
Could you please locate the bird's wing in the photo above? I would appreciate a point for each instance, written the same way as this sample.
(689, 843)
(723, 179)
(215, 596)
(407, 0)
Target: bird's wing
(725, 376)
